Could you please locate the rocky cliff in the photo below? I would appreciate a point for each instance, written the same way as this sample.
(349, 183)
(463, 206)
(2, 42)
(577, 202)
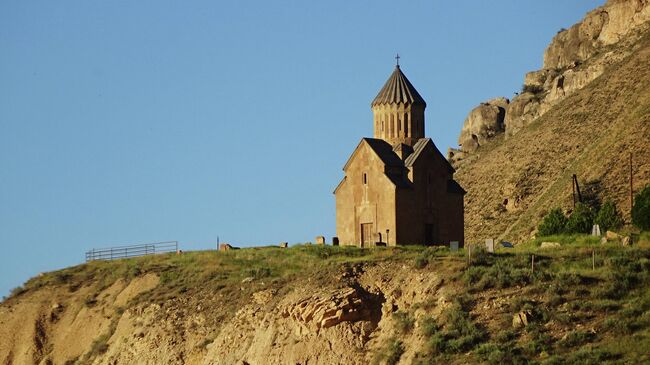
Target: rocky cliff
(305, 305)
(583, 113)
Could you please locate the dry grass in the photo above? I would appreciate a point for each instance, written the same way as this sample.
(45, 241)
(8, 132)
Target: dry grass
(590, 133)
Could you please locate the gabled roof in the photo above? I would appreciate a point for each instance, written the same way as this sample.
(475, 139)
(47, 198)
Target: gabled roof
(403, 147)
(399, 180)
(398, 89)
(385, 152)
(454, 187)
(381, 148)
(418, 147)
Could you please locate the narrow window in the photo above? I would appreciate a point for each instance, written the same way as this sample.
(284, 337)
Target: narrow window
(406, 125)
(365, 178)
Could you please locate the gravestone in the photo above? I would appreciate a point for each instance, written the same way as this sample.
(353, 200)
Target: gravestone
(595, 230)
(453, 246)
(489, 245)
(320, 240)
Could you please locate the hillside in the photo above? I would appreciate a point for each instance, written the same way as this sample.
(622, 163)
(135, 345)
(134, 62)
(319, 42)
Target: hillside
(337, 305)
(583, 114)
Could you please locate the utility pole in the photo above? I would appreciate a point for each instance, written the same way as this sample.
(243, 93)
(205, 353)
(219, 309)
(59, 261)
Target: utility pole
(576, 191)
(631, 188)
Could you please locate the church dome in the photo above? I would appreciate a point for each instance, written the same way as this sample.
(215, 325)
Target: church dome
(398, 90)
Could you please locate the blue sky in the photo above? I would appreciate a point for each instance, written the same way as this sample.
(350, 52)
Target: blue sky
(141, 121)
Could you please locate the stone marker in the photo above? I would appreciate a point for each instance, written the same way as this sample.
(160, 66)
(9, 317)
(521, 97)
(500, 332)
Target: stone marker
(320, 240)
(453, 246)
(284, 244)
(595, 230)
(335, 241)
(489, 245)
(550, 244)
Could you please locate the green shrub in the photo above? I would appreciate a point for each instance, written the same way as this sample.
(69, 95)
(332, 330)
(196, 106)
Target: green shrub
(429, 326)
(576, 338)
(608, 217)
(391, 354)
(554, 223)
(403, 321)
(641, 209)
(583, 356)
(581, 219)
(421, 262)
(395, 351)
(498, 354)
(534, 89)
(260, 272)
(17, 291)
(459, 334)
(503, 273)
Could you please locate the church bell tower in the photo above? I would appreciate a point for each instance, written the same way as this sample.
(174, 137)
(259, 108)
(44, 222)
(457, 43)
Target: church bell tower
(398, 111)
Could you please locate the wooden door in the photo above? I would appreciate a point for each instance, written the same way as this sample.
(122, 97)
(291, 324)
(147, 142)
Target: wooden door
(366, 234)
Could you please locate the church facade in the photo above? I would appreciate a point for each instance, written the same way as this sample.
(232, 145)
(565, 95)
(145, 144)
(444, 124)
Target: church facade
(398, 188)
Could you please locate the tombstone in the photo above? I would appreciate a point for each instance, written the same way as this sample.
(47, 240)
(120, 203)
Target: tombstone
(284, 244)
(489, 245)
(453, 246)
(335, 241)
(595, 230)
(320, 240)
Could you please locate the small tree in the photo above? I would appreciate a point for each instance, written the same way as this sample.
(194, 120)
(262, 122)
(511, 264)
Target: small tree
(554, 223)
(641, 209)
(608, 217)
(581, 220)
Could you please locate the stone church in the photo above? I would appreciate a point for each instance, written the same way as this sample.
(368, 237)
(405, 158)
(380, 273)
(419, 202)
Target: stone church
(398, 188)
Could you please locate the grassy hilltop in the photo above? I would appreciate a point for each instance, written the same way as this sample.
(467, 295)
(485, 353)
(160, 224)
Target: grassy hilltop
(189, 306)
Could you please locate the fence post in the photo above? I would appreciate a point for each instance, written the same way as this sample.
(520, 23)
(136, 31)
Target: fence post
(532, 263)
(593, 259)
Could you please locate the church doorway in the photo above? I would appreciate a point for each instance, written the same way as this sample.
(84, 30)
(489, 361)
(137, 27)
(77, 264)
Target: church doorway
(366, 234)
(429, 234)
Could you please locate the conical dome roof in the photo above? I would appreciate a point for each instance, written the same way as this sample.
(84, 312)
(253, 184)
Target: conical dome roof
(398, 89)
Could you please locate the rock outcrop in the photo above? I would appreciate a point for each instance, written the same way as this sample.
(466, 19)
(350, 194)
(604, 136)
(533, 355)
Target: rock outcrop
(483, 123)
(324, 311)
(575, 57)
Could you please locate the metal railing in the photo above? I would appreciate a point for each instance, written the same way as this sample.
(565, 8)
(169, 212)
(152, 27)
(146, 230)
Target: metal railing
(122, 252)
